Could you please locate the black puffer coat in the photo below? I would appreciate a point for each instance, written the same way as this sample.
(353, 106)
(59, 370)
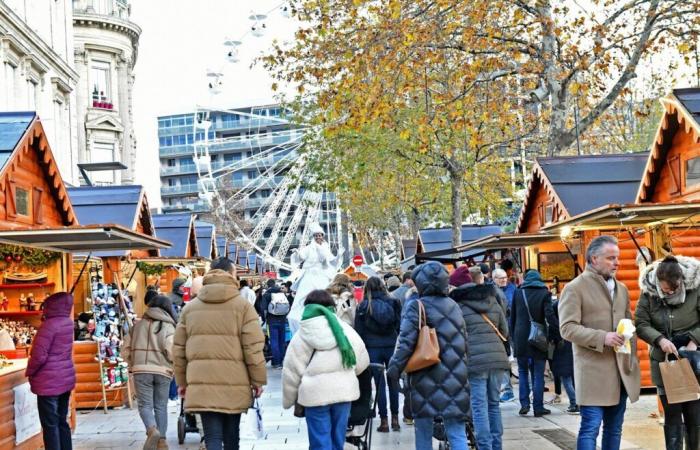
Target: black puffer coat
(442, 389)
(486, 350)
(539, 300)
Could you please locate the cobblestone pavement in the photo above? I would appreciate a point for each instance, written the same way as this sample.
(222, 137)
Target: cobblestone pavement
(122, 428)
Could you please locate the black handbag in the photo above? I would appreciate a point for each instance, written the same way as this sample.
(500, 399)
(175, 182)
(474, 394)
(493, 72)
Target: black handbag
(693, 356)
(538, 332)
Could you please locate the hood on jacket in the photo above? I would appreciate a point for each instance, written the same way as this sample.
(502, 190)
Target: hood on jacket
(431, 278)
(59, 304)
(218, 286)
(159, 314)
(691, 275)
(317, 333)
(479, 297)
(177, 284)
(533, 279)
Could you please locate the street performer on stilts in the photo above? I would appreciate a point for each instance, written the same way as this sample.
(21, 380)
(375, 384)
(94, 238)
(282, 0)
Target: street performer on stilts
(319, 268)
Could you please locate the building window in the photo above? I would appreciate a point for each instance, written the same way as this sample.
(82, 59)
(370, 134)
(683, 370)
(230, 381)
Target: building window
(101, 92)
(22, 201)
(171, 182)
(692, 172)
(171, 163)
(102, 152)
(10, 80)
(548, 213)
(31, 95)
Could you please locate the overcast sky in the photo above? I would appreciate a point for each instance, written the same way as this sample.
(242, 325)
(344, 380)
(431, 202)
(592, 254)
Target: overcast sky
(181, 39)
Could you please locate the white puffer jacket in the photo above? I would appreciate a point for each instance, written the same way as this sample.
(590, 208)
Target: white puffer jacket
(313, 373)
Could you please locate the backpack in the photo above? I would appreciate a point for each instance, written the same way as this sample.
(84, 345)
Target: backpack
(279, 305)
(379, 317)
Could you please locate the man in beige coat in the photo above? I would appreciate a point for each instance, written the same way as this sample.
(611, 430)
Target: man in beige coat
(591, 306)
(218, 351)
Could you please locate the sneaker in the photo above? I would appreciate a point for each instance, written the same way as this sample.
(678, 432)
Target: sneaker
(524, 411)
(553, 400)
(507, 397)
(573, 410)
(162, 444)
(152, 438)
(543, 412)
(408, 421)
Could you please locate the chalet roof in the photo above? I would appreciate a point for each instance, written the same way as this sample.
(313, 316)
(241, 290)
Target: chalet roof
(409, 247)
(586, 182)
(121, 205)
(206, 233)
(681, 109)
(434, 239)
(20, 131)
(176, 228)
(106, 204)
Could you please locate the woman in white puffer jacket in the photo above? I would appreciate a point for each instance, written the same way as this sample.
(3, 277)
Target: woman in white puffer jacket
(320, 371)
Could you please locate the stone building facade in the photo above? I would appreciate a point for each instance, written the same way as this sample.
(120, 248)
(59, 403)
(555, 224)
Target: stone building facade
(105, 49)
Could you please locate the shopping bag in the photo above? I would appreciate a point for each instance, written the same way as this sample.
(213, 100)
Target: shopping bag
(679, 381)
(256, 424)
(427, 351)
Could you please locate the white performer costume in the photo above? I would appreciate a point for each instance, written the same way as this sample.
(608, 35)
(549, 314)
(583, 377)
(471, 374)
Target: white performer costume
(320, 266)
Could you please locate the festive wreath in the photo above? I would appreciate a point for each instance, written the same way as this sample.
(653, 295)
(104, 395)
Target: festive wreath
(150, 269)
(30, 257)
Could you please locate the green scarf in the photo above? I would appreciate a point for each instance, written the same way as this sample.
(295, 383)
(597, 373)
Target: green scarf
(346, 351)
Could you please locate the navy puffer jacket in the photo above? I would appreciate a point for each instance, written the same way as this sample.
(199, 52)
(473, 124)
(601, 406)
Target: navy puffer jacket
(443, 389)
(486, 349)
(393, 306)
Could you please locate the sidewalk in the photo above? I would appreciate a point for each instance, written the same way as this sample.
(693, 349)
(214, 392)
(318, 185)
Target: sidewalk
(122, 429)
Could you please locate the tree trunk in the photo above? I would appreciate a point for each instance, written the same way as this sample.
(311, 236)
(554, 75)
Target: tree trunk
(456, 182)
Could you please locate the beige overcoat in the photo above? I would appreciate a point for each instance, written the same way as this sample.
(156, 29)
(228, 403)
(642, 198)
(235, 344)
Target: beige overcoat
(586, 314)
(218, 348)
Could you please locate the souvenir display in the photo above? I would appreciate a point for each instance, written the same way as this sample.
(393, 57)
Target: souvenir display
(5, 362)
(109, 327)
(4, 302)
(21, 332)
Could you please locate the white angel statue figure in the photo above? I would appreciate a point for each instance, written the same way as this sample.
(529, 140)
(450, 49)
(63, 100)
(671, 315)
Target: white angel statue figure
(320, 266)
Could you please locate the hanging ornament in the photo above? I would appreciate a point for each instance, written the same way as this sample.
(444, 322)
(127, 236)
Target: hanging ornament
(232, 55)
(258, 28)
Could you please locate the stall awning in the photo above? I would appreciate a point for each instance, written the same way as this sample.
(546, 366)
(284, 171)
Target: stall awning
(613, 217)
(81, 239)
(505, 241)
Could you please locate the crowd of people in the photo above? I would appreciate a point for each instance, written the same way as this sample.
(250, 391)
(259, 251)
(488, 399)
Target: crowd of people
(213, 348)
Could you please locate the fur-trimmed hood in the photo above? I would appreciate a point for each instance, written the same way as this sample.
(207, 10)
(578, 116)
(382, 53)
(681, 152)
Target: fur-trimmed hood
(691, 275)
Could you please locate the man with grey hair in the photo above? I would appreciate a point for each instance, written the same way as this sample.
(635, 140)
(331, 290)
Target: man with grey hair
(590, 309)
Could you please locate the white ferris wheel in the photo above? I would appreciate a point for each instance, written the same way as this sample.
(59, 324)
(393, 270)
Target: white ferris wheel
(269, 211)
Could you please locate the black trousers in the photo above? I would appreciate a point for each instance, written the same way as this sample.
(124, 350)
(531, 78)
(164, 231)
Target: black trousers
(53, 413)
(687, 413)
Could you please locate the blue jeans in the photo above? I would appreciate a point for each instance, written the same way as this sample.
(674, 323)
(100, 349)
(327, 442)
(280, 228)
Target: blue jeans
(221, 430)
(277, 341)
(53, 413)
(456, 431)
(610, 416)
(152, 395)
(486, 408)
(326, 426)
(568, 383)
(536, 366)
(507, 386)
(382, 355)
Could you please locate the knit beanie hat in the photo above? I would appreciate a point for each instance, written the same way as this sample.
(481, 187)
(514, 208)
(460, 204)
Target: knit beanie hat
(460, 276)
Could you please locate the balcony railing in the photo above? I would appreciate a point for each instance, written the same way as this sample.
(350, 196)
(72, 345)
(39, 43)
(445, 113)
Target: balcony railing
(246, 123)
(175, 190)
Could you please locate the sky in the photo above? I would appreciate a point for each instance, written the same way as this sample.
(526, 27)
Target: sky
(180, 41)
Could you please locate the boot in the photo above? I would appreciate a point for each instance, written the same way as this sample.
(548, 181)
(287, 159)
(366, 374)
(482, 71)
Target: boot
(152, 438)
(673, 435)
(162, 444)
(383, 425)
(692, 437)
(395, 423)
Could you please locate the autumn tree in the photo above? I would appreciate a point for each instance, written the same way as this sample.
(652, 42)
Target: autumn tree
(465, 83)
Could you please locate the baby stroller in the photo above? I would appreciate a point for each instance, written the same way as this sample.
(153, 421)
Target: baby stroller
(440, 434)
(362, 411)
(186, 423)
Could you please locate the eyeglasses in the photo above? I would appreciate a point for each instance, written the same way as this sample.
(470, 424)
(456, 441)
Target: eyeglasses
(318, 235)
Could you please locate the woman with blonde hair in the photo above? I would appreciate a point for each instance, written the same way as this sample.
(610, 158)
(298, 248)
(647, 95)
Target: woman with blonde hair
(341, 289)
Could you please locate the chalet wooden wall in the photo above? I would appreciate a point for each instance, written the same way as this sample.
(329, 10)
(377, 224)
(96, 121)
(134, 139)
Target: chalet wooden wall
(671, 182)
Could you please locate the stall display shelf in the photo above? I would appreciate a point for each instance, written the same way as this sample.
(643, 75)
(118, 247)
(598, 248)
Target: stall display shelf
(26, 285)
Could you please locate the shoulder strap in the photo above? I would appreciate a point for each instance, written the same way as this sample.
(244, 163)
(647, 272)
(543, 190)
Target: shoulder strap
(526, 305)
(486, 318)
(421, 315)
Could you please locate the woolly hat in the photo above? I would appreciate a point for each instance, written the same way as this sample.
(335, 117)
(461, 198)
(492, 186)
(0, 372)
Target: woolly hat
(460, 276)
(393, 282)
(485, 269)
